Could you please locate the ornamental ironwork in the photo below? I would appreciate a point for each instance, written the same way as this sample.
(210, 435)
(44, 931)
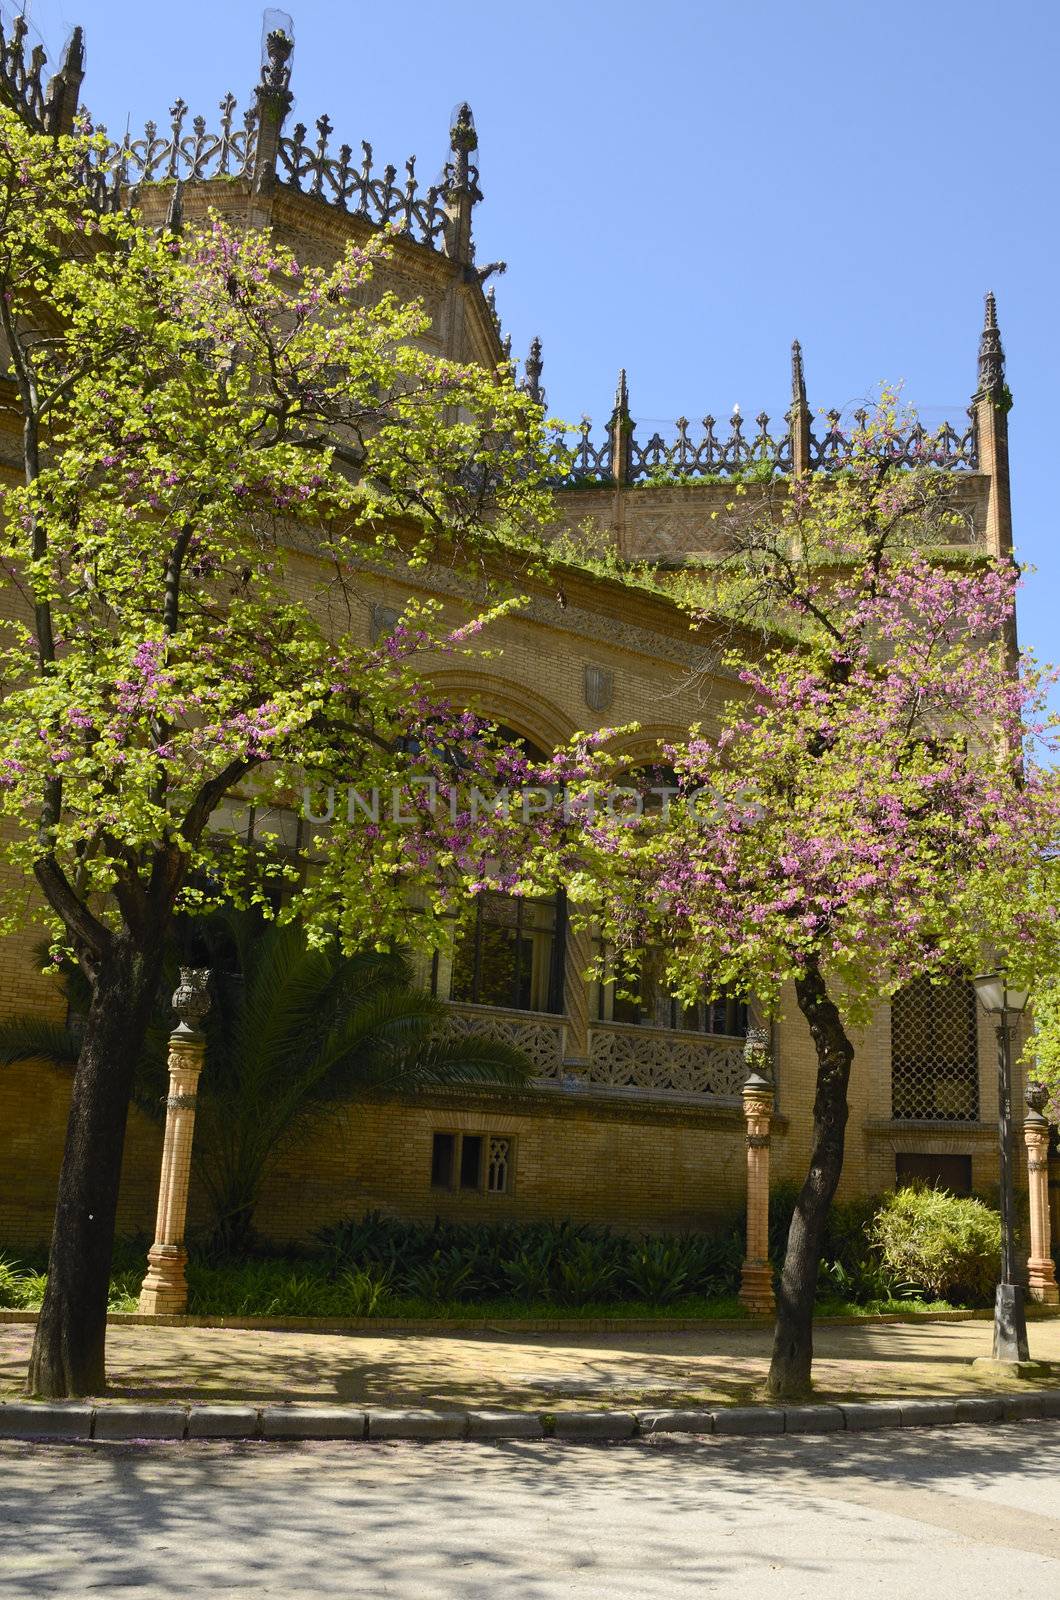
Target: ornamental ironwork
(251, 145)
(187, 149)
(934, 1052)
(733, 454)
(359, 186)
(242, 144)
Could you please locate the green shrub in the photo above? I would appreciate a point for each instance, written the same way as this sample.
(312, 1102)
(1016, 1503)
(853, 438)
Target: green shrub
(661, 1270)
(720, 1259)
(534, 1262)
(948, 1246)
(585, 1272)
(13, 1285)
(447, 1275)
(529, 1274)
(852, 1267)
(367, 1291)
(265, 1289)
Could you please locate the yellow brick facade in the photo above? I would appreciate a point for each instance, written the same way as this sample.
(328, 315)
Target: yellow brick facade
(635, 1160)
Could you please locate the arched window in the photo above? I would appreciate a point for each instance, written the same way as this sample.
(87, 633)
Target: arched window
(934, 1054)
(514, 951)
(633, 989)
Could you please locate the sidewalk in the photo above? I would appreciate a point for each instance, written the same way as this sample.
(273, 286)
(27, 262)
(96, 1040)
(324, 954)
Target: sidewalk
(572, 1369)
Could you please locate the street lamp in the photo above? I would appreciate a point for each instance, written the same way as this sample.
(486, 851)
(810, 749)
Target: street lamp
(1005, 1003)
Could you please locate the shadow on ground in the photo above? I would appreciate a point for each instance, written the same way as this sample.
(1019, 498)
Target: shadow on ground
(527, 1370)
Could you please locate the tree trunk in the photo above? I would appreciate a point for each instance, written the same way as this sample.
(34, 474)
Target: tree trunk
(789, 1372)
(68, 1351)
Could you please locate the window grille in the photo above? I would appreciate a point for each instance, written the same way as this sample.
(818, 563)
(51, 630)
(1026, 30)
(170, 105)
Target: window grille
(497, 1175)
(934, 1055)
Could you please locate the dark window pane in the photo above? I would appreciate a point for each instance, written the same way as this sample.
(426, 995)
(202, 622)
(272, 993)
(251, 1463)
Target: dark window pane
(509, 956)
(442, 1157)
(938, 1172)
(471, 1161)
(637, 993)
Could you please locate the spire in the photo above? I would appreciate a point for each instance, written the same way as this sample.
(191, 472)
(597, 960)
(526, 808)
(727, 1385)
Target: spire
(273, 97)
(620, 429)
(64, 88)
(73, 62)
(461, 188)
(534, 364)
(991, 352)
(798, 377)
(462, 136)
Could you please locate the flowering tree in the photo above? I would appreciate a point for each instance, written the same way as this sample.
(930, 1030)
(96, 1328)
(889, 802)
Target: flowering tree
(872, 810)
(1041, 1056)
(216, 441)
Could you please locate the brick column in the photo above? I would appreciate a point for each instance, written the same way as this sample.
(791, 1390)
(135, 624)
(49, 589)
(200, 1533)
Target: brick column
(165, 1290)
(1041, 1275)
(756, 1277)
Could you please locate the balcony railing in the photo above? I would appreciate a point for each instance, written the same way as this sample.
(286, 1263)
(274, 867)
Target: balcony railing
(537, 1034)
(665, 1062)
(625, 1060)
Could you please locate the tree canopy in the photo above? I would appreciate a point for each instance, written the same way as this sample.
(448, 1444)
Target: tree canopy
(878, 800)
(219, 442)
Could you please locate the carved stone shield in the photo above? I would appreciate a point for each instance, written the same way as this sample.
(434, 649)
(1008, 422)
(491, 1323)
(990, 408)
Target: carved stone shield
(382, 620)
(599, 687)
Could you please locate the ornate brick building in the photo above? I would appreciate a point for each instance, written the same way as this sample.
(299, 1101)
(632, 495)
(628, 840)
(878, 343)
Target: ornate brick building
(635, 1116)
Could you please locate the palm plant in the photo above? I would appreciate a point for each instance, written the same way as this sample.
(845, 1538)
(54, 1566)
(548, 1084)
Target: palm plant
(295, 1032)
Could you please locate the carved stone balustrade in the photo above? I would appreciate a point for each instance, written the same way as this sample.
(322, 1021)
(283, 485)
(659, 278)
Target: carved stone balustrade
(664, 1062)
(624, 1060)
(535, 1033)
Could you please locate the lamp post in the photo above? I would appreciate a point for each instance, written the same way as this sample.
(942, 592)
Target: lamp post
(1005, 1003)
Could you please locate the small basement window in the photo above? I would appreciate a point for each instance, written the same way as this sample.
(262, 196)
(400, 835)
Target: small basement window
(479, 1163)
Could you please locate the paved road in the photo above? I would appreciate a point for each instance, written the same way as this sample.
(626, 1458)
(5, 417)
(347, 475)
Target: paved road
(959, 1512)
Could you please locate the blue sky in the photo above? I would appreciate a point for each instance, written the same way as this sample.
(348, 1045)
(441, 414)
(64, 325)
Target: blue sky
(682, 189)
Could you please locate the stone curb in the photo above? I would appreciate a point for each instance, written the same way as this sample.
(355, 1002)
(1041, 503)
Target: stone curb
(78, 1422)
